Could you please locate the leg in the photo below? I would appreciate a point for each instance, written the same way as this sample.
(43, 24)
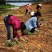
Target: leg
(22, 31)
(26, 11)
(7, 27)
(15, 34)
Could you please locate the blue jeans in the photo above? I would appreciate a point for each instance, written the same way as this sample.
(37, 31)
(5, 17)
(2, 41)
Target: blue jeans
(7, 27)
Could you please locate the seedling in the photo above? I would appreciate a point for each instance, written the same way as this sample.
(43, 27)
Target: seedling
(13, 43)
(8, 43)
(29, 33)
(42, 19)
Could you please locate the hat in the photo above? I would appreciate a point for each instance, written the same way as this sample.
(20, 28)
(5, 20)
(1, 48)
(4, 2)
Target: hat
(32, 13)
(38, 14)
(39, 4)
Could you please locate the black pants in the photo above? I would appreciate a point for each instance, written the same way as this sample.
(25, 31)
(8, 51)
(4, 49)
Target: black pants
(7, 27)
(26, 11)
(32, 30)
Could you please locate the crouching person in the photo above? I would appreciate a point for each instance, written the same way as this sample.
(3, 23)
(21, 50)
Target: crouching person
(33, 23)
(16, 24)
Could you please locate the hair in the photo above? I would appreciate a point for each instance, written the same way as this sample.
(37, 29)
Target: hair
(23, 27)
(10, 15)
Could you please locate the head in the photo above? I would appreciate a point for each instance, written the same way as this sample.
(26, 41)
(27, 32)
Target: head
(38, 6)
(23, 27)
(32, 14)
(10, 15)
(38, 15)
(29, 4)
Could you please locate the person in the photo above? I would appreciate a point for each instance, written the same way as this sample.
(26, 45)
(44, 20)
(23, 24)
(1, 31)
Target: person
(33, 23)
(16, 24)
(28, 9)
(38, 7)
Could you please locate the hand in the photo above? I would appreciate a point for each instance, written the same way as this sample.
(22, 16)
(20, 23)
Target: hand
(23, 39)
(41, 25)
(36, 29)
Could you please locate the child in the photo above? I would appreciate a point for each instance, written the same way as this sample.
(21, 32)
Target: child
(11, 20)
(33, 23)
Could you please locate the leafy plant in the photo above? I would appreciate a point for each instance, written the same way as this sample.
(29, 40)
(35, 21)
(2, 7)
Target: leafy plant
(42, 19)
(8, 43)
(13, 43)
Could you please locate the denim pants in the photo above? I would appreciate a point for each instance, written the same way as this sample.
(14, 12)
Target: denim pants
(7, 27)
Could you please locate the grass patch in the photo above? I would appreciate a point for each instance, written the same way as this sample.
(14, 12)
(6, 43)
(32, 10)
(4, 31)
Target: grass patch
(10, 43)
(4, 11)
(5, 8)
(29, 33)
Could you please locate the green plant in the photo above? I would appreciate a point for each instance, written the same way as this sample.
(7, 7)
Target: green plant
(29, 33)
(42, 19)
(16, 42)
(8, 43)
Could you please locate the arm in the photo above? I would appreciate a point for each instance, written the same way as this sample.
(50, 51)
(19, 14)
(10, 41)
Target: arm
(38, 24)
(35, 22)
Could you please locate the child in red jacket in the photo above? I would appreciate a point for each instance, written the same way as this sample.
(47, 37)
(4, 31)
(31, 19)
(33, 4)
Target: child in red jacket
(11, 20)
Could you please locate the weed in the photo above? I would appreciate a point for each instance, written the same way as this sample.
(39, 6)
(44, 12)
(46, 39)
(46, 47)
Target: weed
(3, 11)
(8, 43)
(17, 42)
(42, 19)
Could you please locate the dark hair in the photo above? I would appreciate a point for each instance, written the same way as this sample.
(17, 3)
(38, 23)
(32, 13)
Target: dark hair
(38, 13)
(23, 27)
(10, 15)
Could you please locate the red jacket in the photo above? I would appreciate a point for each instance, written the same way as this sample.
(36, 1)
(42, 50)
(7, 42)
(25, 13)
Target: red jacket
(14, 22)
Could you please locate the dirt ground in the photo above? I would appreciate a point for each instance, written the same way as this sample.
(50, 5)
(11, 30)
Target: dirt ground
(40, 42)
